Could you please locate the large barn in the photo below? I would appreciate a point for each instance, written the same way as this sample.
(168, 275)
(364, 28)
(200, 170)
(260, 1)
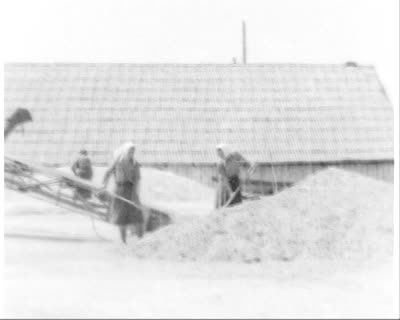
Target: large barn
(291, 119)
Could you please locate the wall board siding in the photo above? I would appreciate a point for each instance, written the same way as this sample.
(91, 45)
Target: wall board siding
(290, 173)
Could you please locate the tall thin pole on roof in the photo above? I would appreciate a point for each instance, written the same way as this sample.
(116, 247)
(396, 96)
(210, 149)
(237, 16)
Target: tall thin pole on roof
(244, 42)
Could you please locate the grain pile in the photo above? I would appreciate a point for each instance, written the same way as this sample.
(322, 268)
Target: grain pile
(333, 214)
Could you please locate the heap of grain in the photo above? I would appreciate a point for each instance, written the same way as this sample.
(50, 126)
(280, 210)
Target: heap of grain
(332, 214)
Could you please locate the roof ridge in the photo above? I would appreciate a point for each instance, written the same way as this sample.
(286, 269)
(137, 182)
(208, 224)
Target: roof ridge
(238, 65)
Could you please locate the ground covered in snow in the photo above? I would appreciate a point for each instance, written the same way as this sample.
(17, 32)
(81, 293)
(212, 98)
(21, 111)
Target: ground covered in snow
(311, 251)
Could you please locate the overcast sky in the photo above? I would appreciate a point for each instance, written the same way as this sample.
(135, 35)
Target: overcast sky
(302, 31)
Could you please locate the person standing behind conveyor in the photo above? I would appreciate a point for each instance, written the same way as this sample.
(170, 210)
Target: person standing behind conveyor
(82, 168)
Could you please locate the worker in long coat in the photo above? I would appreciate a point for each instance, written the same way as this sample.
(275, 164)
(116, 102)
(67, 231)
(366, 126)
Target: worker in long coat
(228, 170)
(82, 168)
(126, 172)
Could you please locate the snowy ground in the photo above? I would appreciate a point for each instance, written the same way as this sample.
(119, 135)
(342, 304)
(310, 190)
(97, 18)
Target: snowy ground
(60, 264)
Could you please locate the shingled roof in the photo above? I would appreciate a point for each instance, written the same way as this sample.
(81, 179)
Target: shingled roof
(177, 113)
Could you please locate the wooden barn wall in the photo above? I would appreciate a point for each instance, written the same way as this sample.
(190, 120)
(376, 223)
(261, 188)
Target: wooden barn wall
(283, 173)
(294, 173)
(199, 173)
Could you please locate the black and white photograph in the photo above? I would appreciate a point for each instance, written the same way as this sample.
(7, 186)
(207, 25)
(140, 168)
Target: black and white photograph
(200, 159)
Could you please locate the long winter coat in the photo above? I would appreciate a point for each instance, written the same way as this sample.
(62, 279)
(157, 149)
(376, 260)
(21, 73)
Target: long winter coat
(127, 177)
(82, 168)
(229, 178)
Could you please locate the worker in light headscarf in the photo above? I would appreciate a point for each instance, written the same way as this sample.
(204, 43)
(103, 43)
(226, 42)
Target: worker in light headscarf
(126, 171)
(228, 168)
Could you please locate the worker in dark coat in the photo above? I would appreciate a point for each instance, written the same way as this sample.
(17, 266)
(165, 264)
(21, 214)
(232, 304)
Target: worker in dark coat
(229, 183)
(126, 171)
(82, 168)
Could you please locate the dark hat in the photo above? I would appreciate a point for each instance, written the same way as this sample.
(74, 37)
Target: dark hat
(83, 152)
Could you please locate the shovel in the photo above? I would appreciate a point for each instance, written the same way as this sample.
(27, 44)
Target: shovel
(250, 171)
